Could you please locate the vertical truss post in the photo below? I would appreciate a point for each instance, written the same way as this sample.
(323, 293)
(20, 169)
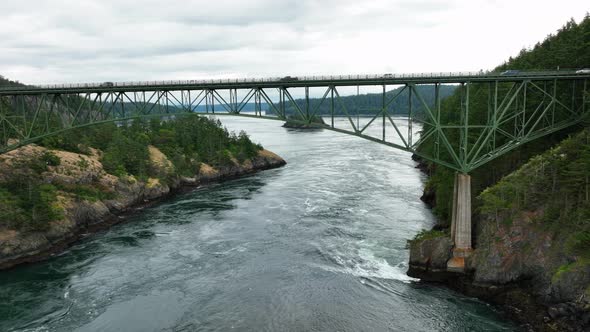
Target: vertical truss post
(573, 95)
(212, 101)
(282, 102)
(332, 104)
(462, 130)
(410, 114)
(182, 103)
(437, 116)
(584, 93)
(383, 106)
(490, 110)
(122, 105)
(357, 109)
(466, 126)
(307, 117)
(495, 116)
(233, 100)
(554, 96)
(159, 102)
(207, 101)
(257, 103)
(190, 102)
(524, 104)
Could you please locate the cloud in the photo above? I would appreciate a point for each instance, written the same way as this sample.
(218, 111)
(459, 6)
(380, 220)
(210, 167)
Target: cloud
(119, 40)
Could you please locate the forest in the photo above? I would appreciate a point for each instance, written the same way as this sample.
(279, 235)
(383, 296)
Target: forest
(27, 202)
(557, 181)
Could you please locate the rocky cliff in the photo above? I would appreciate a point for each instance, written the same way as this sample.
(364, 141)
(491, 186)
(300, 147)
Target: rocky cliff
(531, 242)
(88, 198)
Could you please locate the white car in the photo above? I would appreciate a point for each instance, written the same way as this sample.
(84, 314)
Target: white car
(583, 71)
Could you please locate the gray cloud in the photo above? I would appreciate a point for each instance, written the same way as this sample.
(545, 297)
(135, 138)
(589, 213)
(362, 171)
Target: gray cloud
(96, 40)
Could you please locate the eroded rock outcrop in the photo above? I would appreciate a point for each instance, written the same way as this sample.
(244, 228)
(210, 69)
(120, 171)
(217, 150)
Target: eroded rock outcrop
(124, 193)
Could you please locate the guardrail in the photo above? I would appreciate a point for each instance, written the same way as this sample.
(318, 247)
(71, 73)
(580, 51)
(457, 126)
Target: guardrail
(290, 79)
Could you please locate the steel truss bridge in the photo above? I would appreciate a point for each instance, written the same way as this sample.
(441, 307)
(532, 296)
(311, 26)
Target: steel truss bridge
(494, 113)
(490, 115)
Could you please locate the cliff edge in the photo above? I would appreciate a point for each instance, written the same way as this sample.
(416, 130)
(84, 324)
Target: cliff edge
(84, 197)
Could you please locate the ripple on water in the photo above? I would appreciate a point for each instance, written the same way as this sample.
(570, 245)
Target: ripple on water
(317, 245)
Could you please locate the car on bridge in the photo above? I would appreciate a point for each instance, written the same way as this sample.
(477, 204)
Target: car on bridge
(583, 71)
(510, 72)
(288, 79)
(106, 84)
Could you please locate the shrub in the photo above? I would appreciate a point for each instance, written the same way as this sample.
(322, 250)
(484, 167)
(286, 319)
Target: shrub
(50, 159)
(579, 244)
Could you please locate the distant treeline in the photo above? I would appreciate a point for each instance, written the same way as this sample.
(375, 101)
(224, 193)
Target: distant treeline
(363, 104)
(569, 48)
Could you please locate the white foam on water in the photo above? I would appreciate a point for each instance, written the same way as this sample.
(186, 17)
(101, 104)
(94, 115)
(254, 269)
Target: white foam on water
(369, 266)
(375, 267)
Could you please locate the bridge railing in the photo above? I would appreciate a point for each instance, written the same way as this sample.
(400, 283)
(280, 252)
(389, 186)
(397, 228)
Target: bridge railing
(291, 79)
(263, 79)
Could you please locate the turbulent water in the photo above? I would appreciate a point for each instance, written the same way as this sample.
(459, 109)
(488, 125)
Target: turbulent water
(318, 245)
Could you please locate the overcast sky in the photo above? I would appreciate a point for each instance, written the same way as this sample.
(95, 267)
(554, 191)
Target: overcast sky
(122, 40)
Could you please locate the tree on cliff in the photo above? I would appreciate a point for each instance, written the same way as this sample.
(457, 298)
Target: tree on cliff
(569, 48)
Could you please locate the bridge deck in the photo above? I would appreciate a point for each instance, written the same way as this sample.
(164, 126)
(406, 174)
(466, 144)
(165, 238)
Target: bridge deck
(300, 81)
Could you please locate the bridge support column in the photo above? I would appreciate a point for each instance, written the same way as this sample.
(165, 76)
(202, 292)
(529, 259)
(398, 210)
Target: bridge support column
(461, 223)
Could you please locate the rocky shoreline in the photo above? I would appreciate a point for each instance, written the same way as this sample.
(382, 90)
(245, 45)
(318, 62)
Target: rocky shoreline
(511, 267)
(82, 217)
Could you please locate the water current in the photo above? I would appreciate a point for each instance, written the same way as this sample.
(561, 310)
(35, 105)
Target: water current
(317, 245)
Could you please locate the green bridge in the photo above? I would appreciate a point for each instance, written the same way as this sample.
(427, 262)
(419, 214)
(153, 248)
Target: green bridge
(520, 107)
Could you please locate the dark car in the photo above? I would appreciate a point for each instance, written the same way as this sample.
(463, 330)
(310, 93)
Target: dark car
(288, 79)
(106, 84)
(510, 72)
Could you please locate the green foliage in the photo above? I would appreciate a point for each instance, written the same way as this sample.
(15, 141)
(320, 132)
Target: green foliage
(126, 155)
(191, 140)
(91, 193)
(567, 268)
(83, 163)
(27, 204)
(567, 49)
(579, 244)
(39, 165)
(556, 182)
(70, 140)
(11, 212)
(50, 159)
(427, 235)
(186, 141)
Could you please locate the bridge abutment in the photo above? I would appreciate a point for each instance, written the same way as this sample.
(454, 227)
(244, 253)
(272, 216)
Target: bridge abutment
(461, 223)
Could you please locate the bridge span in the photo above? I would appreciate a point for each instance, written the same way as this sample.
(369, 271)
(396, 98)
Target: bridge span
(489, 115)
(297, 81)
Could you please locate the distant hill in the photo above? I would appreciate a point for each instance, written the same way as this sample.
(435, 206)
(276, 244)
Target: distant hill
(4, 82)
(371, 103)
(363, 104)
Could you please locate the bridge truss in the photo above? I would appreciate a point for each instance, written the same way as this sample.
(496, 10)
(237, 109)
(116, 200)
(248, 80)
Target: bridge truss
(488, 116)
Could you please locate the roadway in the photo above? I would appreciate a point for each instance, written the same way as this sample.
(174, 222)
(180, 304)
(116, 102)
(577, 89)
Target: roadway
(296, 81)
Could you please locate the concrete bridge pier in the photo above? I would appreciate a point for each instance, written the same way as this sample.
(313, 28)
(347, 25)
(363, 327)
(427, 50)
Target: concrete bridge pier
(461, 223)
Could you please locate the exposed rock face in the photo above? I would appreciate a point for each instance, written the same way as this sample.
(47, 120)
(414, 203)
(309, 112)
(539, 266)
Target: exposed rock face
(428, 258)
(534, 258)
(520, 265)
(81, 216)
